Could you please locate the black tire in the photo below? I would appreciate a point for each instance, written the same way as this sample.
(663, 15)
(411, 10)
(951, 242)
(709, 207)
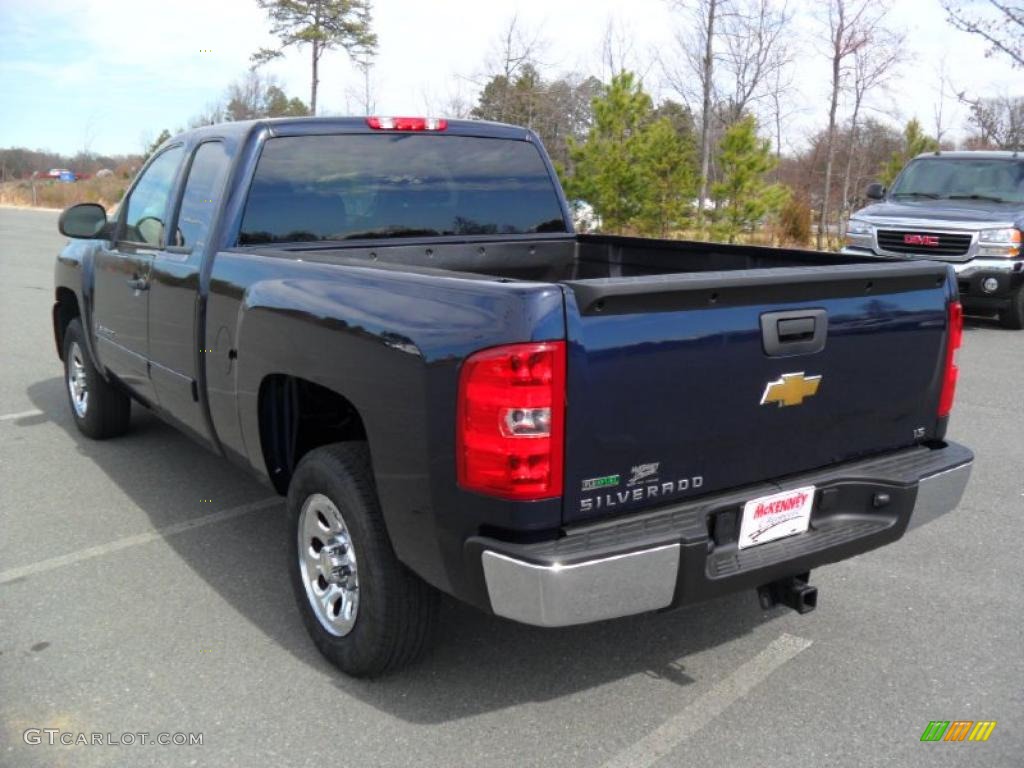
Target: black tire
(1013, 316)
(106, 411)
(397, 610)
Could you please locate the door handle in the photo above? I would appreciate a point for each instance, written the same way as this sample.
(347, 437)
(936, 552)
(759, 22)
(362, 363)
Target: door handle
(139, 283)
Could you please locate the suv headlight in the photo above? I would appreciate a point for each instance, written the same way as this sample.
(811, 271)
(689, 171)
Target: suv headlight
(858, 227)
(999, 242)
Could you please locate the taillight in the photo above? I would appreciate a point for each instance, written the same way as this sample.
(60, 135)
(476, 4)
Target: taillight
(511, 421)
(951, 372)
(407, 123)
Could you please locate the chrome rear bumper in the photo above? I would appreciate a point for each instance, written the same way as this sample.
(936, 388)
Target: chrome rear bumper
(648, 579)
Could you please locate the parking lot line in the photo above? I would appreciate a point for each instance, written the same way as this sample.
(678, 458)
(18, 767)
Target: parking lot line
(709, 705)
(23, 414)
(132, 541)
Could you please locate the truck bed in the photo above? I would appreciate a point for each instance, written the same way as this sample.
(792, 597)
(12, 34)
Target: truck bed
(562, 258)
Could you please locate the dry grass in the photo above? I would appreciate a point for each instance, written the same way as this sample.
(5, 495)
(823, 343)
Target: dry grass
(54, 194)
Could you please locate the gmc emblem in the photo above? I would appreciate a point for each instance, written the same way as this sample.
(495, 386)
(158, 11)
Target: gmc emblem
(932, 240)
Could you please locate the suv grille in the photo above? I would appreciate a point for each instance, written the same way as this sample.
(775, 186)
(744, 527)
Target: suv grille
(948, 245)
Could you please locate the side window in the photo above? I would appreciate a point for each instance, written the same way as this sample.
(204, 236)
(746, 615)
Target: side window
(147, 206)
(203, 189)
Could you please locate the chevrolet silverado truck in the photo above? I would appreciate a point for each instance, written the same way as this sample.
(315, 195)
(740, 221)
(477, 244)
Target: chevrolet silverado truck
(392, 322)
(965, 208)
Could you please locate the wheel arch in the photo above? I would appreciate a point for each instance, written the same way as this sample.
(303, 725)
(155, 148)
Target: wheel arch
(65, 309)
(297, 415)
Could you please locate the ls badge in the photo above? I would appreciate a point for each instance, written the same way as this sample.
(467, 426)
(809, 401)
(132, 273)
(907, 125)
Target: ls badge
(790, 389)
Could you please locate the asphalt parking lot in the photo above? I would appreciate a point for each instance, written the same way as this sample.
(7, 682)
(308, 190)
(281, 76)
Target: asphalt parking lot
(143, 590)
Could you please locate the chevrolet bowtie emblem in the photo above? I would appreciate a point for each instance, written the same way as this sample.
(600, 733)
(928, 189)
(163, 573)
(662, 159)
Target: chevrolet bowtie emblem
(790, 389)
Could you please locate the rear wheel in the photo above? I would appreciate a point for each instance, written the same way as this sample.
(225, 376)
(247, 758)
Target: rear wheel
(365, 611)
(1013, 316)
(99, 409)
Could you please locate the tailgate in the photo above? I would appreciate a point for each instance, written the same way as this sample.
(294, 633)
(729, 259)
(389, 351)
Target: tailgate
(681, 385)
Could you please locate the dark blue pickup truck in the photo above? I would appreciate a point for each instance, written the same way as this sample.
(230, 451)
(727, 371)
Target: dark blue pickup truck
(392, 321)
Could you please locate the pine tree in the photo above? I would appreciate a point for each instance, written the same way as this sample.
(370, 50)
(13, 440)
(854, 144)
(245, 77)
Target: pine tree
(164, 136)
(744, 196)
(915, 141)
(323, 25)
(669, 173)
(607, 172)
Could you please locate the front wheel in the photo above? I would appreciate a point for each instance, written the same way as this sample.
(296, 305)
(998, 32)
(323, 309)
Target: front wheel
(99, 409)
(1013, 315)
(365, 611)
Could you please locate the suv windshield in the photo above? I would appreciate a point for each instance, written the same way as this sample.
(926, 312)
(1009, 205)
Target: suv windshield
(344, 187)
(994, 179)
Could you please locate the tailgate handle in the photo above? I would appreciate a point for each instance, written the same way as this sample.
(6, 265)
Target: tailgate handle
(797, 329)
(794, 332)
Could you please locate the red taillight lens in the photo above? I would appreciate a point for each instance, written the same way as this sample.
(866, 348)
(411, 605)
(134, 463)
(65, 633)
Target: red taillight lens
(511, 421)
(407, 123)
(951, 372)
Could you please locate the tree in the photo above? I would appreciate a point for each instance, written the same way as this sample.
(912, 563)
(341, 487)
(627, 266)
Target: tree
(557, 109)
(669, 177)
(755, 52)
(874, 64)
(744, 196)
(915, 141)
(679, 115)
(255, 96)
(851, 24)
(998, 23)
(277, 104)
(323, 25)
(160, 139)
(998, 123)
(607, 168)
(731, 55)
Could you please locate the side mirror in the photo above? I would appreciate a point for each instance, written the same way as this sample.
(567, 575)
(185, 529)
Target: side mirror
(875, 191)
(85, 220)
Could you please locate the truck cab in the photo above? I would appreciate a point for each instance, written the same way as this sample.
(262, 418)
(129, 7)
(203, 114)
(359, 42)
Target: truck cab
(966, 208)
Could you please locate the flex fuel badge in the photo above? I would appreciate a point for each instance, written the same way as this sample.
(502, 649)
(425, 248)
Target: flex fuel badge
(608, 481)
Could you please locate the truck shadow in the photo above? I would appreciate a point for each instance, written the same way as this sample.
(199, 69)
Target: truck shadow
(479, 663)
(984, 322)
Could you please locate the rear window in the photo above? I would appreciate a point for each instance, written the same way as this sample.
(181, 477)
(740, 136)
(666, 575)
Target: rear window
(345, 187)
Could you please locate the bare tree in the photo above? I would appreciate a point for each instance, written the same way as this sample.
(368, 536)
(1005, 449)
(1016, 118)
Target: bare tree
(755, 51)
(778, 87)
(851, 25)
(874, 64)
(363, 94)
(692, 75)
(998, 23)
(516, 48)
(998, 122)
(618, 52)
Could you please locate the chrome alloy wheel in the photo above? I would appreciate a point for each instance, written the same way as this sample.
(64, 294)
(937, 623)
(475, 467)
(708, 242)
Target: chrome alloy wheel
(327, 563)
(78, 385)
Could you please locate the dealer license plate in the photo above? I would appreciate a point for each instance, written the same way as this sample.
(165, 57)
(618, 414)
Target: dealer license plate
(777, 516)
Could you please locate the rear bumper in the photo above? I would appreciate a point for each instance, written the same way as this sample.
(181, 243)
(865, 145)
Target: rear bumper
(687, 553)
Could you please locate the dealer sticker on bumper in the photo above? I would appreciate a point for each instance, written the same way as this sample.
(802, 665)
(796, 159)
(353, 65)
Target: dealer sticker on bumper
(776, 516)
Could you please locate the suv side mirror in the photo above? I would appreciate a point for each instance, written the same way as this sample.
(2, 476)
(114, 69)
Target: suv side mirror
(875, 191)
(85, 221)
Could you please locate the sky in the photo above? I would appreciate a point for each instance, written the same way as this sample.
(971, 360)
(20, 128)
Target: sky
(108, 76)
